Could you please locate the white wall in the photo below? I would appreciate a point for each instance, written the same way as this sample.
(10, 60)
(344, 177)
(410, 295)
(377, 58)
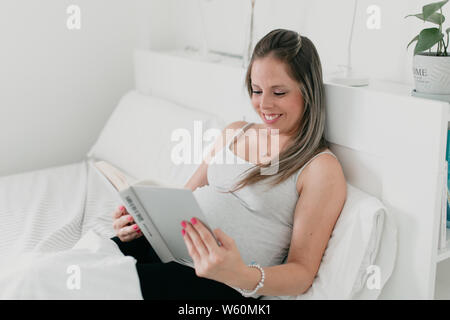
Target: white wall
(380, 54)
(58, 87)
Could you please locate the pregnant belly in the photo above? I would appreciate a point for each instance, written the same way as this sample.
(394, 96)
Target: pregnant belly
(258, 238)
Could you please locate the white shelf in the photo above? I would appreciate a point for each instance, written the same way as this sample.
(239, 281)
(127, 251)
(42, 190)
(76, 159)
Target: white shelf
(442, 283)
(444, 254)
(211, 57)
(380, 86)
(392, 87)
(441, 291)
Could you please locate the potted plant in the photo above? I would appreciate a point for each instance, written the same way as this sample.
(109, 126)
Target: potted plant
(432, 68)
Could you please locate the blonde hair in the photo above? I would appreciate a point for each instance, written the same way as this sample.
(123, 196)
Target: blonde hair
(302, 59)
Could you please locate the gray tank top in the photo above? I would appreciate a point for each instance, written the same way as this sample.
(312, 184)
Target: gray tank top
(258, 218)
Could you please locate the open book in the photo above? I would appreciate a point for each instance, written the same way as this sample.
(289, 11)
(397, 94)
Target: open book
(157, 210)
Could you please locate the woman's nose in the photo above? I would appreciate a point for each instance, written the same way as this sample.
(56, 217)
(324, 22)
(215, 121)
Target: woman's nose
(266, 102)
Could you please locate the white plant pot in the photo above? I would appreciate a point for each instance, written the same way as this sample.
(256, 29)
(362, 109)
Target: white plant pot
(432, 73)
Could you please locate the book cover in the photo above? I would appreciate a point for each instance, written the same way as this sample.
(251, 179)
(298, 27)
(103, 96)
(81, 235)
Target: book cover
(131, 202)
(444, 204)
(158, 211)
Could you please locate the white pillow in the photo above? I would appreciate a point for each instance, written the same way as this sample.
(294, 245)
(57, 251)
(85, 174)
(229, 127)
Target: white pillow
(353, 247)
(137, 138)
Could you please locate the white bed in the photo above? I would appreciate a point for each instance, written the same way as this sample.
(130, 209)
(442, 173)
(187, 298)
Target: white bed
(49, 211)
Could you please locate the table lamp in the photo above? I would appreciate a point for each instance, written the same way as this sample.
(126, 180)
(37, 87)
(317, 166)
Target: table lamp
(350, 78)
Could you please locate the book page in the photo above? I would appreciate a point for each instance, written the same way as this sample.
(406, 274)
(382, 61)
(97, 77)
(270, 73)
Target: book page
(114, 175)
(158, 183)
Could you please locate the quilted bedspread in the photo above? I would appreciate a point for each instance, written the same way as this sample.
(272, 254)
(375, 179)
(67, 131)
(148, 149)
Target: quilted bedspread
(56, 222)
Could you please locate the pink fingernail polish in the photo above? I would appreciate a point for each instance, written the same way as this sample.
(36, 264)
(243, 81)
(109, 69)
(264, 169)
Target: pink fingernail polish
(138, 231)
(135, 227)
(121, 208)
(183, 224)
(193, 221)
(183, 232)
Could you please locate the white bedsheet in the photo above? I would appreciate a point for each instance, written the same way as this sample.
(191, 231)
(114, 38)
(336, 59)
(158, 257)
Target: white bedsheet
(94, 268)
(54, 218)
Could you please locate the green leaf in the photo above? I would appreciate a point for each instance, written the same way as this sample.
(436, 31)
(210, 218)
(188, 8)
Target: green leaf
(448, 35)
(431, 8)
(435, 18)
(427, 39)
(415, 39)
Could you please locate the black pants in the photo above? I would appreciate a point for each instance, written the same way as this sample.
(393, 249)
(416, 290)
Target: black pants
(171, 281)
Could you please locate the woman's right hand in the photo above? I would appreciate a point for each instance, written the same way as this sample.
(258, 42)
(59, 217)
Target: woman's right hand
(124, 226)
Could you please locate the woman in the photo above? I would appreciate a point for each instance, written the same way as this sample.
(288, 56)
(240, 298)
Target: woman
(280, 222)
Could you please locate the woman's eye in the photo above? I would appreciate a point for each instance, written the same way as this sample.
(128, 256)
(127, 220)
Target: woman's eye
(275, 93)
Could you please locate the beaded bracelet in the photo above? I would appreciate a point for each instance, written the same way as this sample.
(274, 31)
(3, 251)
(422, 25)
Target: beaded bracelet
(247, 293)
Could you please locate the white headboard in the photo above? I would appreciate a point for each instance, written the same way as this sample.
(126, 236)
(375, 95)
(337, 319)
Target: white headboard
(212, 87)
(390, 145)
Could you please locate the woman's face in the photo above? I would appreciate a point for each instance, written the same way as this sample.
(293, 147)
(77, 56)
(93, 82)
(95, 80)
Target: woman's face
(276, 97)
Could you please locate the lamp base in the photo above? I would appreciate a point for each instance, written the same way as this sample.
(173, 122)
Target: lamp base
(351, 81)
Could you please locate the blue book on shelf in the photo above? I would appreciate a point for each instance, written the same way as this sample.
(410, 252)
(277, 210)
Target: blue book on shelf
(447, 157)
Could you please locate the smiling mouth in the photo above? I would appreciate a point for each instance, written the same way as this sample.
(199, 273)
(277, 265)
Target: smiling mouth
(272, 116)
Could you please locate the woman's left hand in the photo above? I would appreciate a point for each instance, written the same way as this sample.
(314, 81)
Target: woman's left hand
(221, 263)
